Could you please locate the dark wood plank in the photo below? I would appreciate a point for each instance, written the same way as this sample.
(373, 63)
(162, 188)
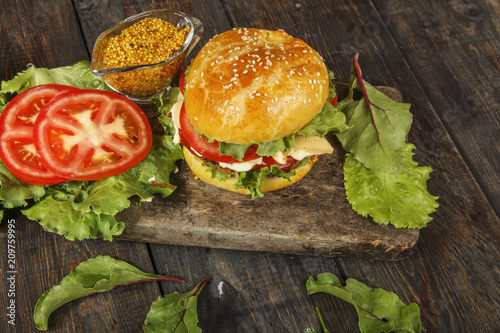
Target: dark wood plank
(252, 291)
(44, 259)
(452, 48)
(49, 36)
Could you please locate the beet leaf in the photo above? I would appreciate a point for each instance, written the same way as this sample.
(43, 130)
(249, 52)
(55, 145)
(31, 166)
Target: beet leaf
(378, 310)
(175, 312)
(94, 275)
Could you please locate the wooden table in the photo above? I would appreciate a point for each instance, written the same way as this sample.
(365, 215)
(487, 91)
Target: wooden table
(442, 56)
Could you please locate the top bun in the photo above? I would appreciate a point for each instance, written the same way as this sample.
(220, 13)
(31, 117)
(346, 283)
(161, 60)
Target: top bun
(254, 85)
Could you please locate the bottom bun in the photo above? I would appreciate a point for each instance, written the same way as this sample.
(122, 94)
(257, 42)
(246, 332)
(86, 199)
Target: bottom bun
(268, 185)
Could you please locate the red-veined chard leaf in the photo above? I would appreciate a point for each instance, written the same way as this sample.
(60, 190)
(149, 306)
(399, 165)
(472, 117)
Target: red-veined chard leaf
(378, 310)
(175, 312)
(379, 125)
(95, 275)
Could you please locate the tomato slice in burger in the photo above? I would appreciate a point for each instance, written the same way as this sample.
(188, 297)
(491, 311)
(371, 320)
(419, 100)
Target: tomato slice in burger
(198, 143)
(18, 152)
(91, 134)
(207, 149)
(333, 100)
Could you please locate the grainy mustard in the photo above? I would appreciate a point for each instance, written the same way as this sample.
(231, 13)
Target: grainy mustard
(149, 41)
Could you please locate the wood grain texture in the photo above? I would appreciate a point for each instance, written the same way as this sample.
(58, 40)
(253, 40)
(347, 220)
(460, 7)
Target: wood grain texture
(452, 48)
(252, 291)
(44, 259)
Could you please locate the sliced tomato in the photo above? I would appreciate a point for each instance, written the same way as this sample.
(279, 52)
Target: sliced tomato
(18, 152)
(333, 101)
(88, 134)
(207, 149)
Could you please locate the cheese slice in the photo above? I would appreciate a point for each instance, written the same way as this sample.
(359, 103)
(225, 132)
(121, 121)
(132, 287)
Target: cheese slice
(312, 145)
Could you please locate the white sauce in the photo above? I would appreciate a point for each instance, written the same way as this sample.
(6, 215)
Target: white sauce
(242, 166)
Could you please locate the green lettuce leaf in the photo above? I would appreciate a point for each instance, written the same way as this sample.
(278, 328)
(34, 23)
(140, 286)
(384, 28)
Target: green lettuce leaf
(175, 313)
(378, 310)
(14, 192)
(61, 217)
(399, 198)
(164, 105)
(379, 125)
(99, 274)
(78, 75)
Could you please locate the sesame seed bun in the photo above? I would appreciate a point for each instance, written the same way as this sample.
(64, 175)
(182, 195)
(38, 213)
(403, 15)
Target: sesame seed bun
(254, 85)
(268, 185)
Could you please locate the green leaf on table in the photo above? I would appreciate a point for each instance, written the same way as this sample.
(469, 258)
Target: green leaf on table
(175, 312)
(379, 125)
(378, 310)
(399, 198)
(99, 274)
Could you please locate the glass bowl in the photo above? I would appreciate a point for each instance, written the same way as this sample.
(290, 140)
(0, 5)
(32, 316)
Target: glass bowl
(141, 82)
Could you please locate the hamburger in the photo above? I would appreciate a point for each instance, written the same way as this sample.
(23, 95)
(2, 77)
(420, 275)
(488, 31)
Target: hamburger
(253, 111)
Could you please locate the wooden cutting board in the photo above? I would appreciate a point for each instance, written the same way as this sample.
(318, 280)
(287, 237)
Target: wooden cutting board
(310, 217)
